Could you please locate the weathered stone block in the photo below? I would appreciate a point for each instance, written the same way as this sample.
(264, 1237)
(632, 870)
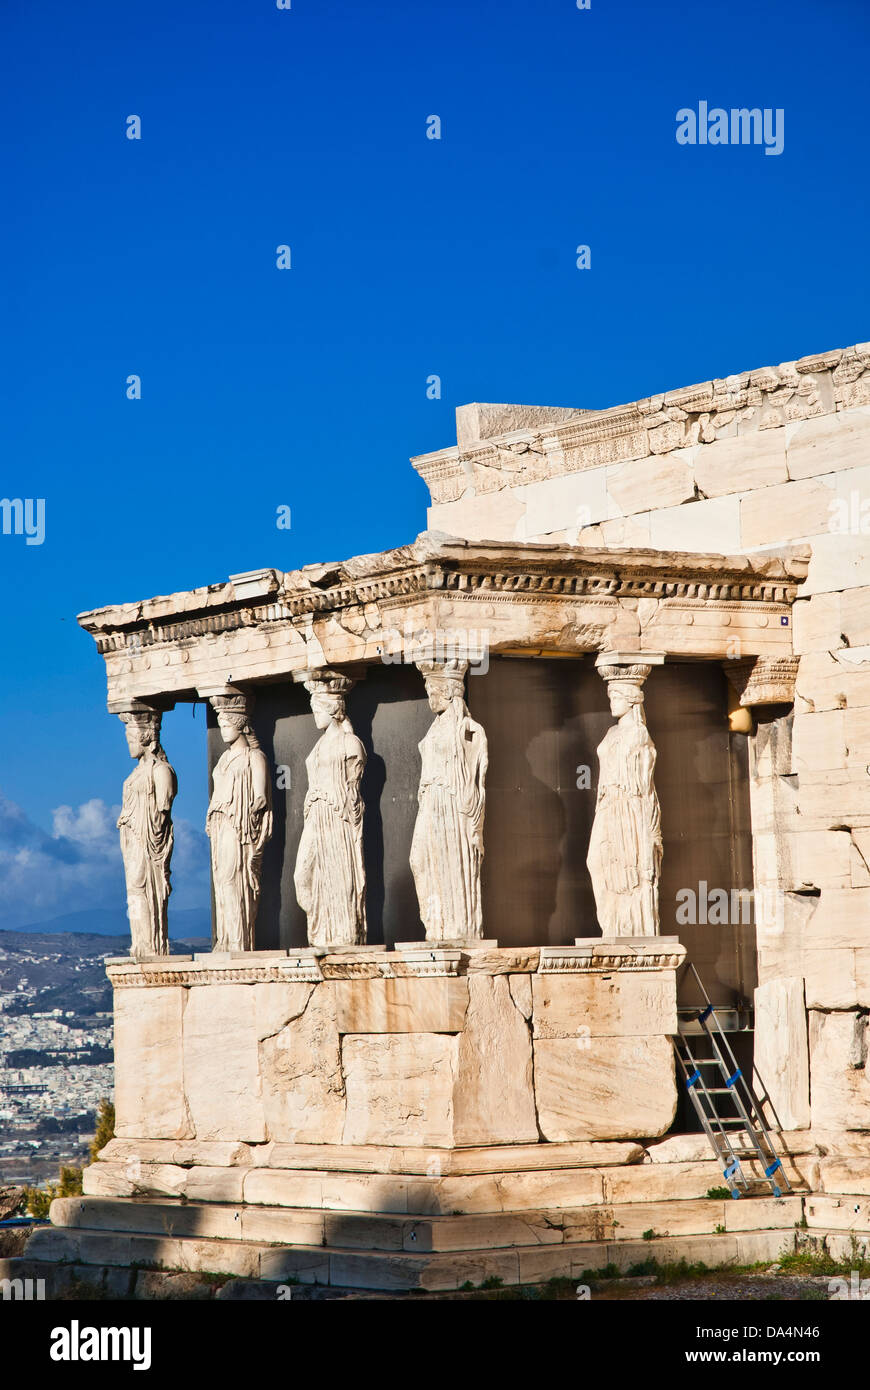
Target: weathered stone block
(846, 1175)
(214, 1185)
(862, 977)
(221, 1065)
(817, 624)
(680, 1148)
(493, 1100)
(399, 1088)
(829, 443)
(832, 679)
(645, 484)
(280, 1187)
(741, 464)
(521, 993)
(838, 1213)
(855, 616)
(830, 978)
(303, 1086)
(274, 1225)
(712, 525)
(604, 1088)
(822, 858)
(633, 1003)
(578, 498)
(775, 1213)
(277, 1004)
(308, 1266)
(620, 533)
(790, 512)
(838, 561)
(435, 1005)
(354, 1232)
(497, 514)
(839, 920)
(538, 1191)
(562, 1261)
(838, 1051)
(149, 1085)
(781, 1056)
(133, 1179)
(219, 1154)
(818, 741)
(828, 798)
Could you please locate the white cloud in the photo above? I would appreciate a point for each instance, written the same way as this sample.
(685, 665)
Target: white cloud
(93, 824)
(78, 867)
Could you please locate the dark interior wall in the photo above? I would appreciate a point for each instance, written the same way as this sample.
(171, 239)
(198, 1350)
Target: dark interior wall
(544, 720)
(702, 780)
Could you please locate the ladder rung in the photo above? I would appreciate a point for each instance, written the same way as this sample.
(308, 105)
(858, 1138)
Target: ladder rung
(748, 1126)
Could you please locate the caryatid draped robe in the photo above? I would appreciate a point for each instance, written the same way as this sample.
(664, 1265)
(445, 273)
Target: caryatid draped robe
(145, 824)
(625, 847)
(238, 833)
(447, 848)
(329, 875)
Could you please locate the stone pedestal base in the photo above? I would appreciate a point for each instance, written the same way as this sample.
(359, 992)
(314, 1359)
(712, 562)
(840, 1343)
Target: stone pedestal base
(430, 1046)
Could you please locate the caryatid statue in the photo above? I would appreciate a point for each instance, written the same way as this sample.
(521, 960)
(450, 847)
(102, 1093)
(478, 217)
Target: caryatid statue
(330, 876)
(145, 824)
(238, 824)
(625, 847)
(447, 848)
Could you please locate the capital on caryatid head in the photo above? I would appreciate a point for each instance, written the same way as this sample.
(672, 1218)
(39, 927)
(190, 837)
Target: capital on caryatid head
(328, 690)
(625, 674)
(323, 680)
(142, 722)
(232, 706)
(444, 681)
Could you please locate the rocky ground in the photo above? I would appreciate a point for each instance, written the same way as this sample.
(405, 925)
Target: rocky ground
(773, 1284)
(760, 1287)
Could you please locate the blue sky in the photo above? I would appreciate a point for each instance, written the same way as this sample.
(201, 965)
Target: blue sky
(410, 257)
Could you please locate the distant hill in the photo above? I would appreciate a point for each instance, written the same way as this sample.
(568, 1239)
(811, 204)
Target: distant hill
(187, 923)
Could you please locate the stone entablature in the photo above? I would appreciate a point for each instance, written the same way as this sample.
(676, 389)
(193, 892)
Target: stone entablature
(536, 599)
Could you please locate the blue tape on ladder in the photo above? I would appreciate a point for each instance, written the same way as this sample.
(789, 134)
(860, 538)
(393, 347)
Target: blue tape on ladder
(695, 1077)
(705, 1013)
(769, 1172)
(732, 1080)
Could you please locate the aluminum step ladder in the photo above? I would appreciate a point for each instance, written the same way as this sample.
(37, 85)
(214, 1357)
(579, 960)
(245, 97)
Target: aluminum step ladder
(724, 1131)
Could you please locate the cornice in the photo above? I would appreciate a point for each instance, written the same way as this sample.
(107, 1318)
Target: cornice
(437, 566)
